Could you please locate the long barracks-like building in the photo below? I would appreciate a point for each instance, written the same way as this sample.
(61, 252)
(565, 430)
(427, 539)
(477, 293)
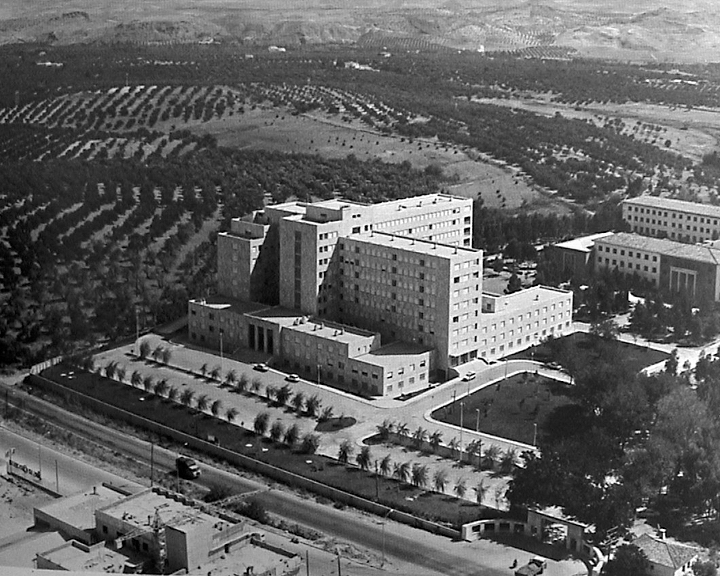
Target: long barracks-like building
(372, 298)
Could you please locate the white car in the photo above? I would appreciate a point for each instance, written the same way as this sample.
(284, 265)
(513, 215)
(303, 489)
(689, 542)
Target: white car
(469, 376)
(262, 367)
(292, 378)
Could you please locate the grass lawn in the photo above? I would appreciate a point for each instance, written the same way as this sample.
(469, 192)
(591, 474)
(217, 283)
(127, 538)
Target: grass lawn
(430, 505)
(585, 349)
(509, 409)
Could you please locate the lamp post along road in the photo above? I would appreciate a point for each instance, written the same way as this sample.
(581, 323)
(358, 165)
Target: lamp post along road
(462, 410)
(477, 420)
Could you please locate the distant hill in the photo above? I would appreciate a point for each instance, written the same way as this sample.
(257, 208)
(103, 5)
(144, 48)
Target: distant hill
(680, 30)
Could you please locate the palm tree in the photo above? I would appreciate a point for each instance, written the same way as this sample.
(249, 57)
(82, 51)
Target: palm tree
(385, 429)
(475, 449)
(242, 383)
(403, 429)
(364, 458)
(110, 369)
(255, 385)
(312, 406)
(172, 393)
(298, 401)
(231, 414)
(419, 475)
(157, 353)
(283, 395)
(326, 414)
(345, 451)
(454, 445)
(121, 372)
(498, 494)
(276, 431)
(144, 349)
(161, 387)
(402, 471)
(435, 440)
(508, 461)
(310, 443)
(439, 480)
(419, 437)
(166, 355)
(460, 488)
(202, 402)
(291, 435)
(231, 378)
(186, 397)
(260, 424)
(147, 383)
(270, 392)
(215, 408)
(490, 457)
(215, 373)
(204, 369)
(480, 491)
(385, 465)
(136, 379)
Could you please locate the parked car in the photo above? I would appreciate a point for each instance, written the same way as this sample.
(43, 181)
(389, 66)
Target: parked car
(469, 376)
(187, 467)
(536, 566)
(292, 378)
(261, 367)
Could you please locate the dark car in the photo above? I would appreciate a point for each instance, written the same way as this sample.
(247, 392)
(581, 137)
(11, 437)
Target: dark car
(187, 467)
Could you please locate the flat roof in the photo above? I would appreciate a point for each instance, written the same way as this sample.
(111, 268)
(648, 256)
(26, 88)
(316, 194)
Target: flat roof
(78, 510)
(388, 356)
(139, 510)
(664, 247)
(583, 243)
(647, 201)
(528, 296)
(217, 302)
(75, 556)
(409, 244)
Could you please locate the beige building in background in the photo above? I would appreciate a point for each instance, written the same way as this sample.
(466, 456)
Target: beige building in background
(674, 219)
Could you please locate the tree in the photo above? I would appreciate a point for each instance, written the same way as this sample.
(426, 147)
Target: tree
(215, 408)
(364, 458)
(326, 414)
(172, 394)
(298, 401)
(202, 402)
(704, 568)
(166, 355)
(460, 488)
(435, 440)
(291, 435)
(276, 431)
(161, 387)
(260, 424)
(345, 451)
(310, 443)
(121, 372)
(231, 378)
(454, 445)
(144, 349)
(629, 560)
(186, 397)
(255, 385)
(242, 383)
(403, 429)
(157, 353)
(401, 471)
(312, 406)
(215, 373)
(283, 395)
(204, 369)
(419, 475)
(508, 461)
(231, 414)
(147, 383)
(480, 491)
(385, 429)
(605, 329)
(110, 369)
(490, 457)
(440, 480)
(419, 437)
(514, 284)
(385, 465)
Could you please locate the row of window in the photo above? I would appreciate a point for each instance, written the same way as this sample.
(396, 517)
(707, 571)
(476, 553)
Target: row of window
(631, 254)
(673, 215)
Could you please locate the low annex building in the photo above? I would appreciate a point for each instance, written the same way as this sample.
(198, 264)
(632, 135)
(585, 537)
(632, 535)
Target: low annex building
(667, 558)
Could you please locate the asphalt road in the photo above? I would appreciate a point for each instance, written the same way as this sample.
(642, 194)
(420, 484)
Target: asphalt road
(436, 555)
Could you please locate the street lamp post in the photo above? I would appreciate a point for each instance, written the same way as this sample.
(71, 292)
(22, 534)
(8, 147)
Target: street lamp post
(534, 433)
(462, 410)
(477, 421)
(222, 362)
(318, 374)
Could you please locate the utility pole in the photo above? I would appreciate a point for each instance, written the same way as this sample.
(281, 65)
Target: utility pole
(477, 421)
(307, 563)
(40, 460)
(222, 363)
(57, 478)
(462, 409)
(152, 463)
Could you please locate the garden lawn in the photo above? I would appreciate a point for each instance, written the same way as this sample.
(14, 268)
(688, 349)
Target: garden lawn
(404, 497)
(509, 409)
